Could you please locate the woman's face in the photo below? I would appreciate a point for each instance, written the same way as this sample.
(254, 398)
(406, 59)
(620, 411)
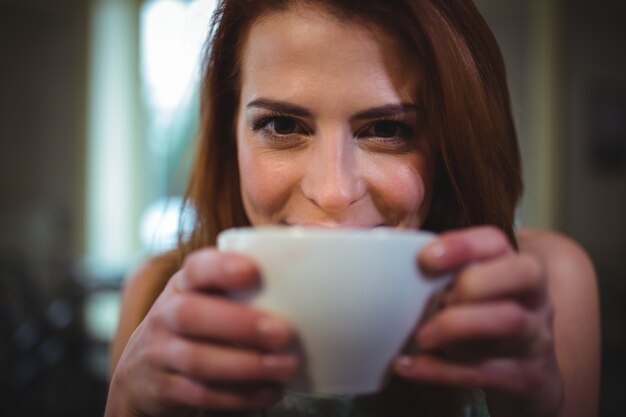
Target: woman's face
(329, 129)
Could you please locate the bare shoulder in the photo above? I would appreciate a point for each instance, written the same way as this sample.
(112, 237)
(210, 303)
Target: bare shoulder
(548, 239)
(140, 291)
(570, 273)
(152, 275)
(573, 289)
(561, 255)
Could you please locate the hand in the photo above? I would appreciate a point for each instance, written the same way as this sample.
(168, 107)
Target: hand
(196, 349)
(494, 330)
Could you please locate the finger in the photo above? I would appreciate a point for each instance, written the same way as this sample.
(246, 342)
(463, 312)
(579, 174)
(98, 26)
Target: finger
(219, 319)
(503, 321)
(455, 249)
(507, 374)
(519, 277)
(210, 269)
(226, 364)
(431, 369)
(179, 391)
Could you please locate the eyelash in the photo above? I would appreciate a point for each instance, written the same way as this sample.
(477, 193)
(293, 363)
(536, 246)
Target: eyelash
(261, 125)
(406, 131)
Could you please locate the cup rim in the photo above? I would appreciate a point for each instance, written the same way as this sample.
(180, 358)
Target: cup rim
(298, 232)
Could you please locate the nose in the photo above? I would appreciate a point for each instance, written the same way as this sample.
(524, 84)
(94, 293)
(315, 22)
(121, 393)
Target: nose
(332, 180)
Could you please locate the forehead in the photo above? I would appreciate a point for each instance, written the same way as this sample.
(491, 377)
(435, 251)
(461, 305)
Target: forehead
(306, 46)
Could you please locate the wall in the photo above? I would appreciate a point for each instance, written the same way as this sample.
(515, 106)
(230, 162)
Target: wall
(42, 136)
(594, 173)
(42, 131)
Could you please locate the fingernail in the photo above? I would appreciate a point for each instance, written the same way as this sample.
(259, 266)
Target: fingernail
(280, 366)
(404, 365)
(234, 266)
(179, 284)
(274, 331)
(436, 251)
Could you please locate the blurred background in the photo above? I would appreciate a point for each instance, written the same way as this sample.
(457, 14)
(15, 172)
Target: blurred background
(98, 106)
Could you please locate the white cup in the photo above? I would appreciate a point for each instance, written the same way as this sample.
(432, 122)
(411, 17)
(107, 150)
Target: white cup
(353, 297)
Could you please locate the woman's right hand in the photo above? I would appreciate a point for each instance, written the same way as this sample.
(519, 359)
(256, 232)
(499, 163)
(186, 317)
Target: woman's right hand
(197, 349)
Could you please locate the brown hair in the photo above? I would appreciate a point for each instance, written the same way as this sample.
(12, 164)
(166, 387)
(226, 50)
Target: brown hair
(465, 96)
(477, 167)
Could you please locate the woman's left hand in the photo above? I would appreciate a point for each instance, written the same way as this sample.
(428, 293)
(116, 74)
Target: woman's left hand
(494, 330)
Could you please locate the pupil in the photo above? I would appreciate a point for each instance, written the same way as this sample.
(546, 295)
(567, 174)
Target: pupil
(283, 125)
(385, 129)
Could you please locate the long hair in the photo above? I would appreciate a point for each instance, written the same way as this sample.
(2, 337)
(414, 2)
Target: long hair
(477, 162)
(476, 157)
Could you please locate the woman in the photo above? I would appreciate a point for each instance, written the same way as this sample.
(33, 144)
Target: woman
(361, 114)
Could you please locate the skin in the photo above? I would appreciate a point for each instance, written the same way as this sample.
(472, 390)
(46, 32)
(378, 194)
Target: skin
(309, 127)
(312, 152)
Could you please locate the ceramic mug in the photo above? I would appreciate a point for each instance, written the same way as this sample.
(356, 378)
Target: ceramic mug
(353, 296)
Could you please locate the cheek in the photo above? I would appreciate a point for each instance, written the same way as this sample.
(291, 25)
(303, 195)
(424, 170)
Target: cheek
(266, 182)
(404, 188)
(409, 189)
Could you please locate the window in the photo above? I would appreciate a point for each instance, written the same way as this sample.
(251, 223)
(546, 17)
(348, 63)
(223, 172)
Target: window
(143, 114)
(172, 36)
(144, 75)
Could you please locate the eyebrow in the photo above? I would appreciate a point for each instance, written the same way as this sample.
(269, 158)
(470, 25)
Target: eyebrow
(280, 107)
(386, 110)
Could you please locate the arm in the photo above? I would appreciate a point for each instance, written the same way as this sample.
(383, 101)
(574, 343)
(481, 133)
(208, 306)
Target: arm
(182, 347)
(520, 325)
(139, 293)
(573, 289)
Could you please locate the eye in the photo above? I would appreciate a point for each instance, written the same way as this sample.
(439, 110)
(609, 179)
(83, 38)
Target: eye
(281, 130)
(279, 125)
(282, 125)
(387, 130)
